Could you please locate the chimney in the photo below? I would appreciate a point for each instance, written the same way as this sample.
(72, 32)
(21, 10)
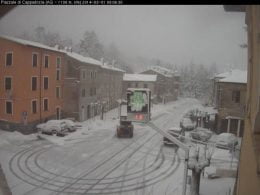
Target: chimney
(113, 63)
(56, 46)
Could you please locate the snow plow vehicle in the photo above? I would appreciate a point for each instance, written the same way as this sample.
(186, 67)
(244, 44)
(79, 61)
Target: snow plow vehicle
(125, 128)
(136, 108)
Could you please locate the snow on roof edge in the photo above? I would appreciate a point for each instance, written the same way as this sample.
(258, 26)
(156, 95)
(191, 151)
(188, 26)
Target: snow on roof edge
(139, 77)
(30, 43)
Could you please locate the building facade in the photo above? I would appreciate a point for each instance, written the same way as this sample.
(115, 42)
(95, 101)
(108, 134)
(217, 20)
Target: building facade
(248, 181)
(111, 86)
(230, 95)
(91, 87)
(81, 84)
(139, 81)
(31, 80)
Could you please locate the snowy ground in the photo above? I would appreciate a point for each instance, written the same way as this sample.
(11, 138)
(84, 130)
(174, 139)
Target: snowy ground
(93, 160)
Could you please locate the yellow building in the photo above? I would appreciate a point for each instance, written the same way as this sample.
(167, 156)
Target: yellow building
(248, 182)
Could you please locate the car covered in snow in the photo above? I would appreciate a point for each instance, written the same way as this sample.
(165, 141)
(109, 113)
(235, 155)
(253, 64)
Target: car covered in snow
(226, 141)
(187, 124)
(176, 132)
(71, 126)
(201, 134)
(51, 127)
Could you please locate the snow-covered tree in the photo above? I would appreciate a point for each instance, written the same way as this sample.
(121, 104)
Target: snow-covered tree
(47, 38)
(197, 164)
(195, 81)
(90, 45)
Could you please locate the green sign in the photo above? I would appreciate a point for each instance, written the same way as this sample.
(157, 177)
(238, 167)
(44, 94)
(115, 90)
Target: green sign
(138, 100)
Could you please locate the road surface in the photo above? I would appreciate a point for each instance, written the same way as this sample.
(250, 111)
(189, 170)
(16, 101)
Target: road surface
(98, 162)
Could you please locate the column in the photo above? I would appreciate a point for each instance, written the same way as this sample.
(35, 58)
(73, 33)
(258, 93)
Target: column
(228, 128)
(238, 127)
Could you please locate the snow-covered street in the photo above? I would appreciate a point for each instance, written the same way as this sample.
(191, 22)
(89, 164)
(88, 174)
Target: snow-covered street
(93, 160)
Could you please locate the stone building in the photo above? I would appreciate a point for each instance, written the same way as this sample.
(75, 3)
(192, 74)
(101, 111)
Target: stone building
(248, 181)
(229, 98)
(32, 83)
(167, 84)
(139, 81)
(91, 87)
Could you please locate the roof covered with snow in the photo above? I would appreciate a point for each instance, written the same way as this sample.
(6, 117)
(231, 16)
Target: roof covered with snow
(83, 59)
(110, 67)
(222, 75)
(30, 43)
(74, 55)
(234, 76)
(162, 70)
(139, 77)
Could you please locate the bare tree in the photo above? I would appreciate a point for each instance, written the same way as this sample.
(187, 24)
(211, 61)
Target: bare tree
(197, 165)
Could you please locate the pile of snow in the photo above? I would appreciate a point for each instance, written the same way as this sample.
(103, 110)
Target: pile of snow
(15, 138)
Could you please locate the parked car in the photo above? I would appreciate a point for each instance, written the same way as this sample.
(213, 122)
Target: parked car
(51, 127)
(187, 124)
(226, 141)
(71, 126)
(201, 134)
(177, 132)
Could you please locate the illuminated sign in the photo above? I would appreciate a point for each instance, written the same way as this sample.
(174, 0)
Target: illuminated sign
(138, 104)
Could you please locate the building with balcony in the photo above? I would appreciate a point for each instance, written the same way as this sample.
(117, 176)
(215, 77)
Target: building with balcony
(229, 98)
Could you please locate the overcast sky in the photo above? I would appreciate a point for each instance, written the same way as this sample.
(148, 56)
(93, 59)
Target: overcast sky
(174, 33)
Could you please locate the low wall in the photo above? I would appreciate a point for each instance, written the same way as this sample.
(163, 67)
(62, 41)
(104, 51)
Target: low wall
(226, 173)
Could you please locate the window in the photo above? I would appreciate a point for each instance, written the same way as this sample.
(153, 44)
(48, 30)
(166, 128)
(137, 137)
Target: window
(46, 61)
(58, 68)
(45, 104)
(83, 93)
(34, 83)
(236, 96)
(58, 113)
(145, 85)
(136, 84)
(46, 83)
(58, 92)
(9, 107)
(34, 106)
(92, 91)
(58, 62)
(8, 83)
(34, 59)
(9, 59)
(129, 85)
(83, 74)
(58, 74)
